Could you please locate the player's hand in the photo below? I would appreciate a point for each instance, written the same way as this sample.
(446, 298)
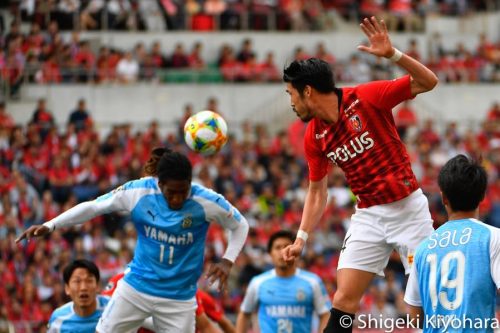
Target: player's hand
(292, 252)
(380, 44)
(33, 231)
(219, 271)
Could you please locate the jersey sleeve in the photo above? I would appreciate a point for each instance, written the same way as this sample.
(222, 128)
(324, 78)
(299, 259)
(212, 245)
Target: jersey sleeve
(218, 209)
(123, 198)
(322, 302)
(495, 256)
(316, 161)
(412, 294)
(250, 301)
(385, 95)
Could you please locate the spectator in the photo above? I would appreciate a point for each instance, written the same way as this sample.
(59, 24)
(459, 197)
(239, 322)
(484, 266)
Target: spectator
(119, 14)
(152, 16)
(90, 16)
(80, 117)
(6, 120)
(246, 51)
(357, 71)
(42, 118)
(85, 60)
(127, 69)
(405, 118)
(66, 12)
(179, 58)
(268, 70)
(323, 54)
(157, 56)
(195, 59)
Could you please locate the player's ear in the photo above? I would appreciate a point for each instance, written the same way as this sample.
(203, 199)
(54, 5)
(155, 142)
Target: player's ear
(66, 289)
(307, 90)
(444, 199)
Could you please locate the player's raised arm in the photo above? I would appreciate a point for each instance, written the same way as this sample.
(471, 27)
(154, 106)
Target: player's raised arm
(422, 78)
(313, 209)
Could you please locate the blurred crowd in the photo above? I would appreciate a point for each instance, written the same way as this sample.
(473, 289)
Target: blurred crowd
(44, 56)
(44, 170)
(296, 15)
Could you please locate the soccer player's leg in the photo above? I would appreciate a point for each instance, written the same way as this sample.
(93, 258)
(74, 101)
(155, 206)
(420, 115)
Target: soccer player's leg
(125, 312)
(411, 225)
(351, 285)
(174, 315)
(364, 254)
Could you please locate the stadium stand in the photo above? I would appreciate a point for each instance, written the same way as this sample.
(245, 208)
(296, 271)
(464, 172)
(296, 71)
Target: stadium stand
(49, 163)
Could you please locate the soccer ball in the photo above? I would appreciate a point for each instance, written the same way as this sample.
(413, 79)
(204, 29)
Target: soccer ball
(205, 132)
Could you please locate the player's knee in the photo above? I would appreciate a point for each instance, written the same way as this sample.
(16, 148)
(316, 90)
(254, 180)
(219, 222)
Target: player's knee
(346, 302)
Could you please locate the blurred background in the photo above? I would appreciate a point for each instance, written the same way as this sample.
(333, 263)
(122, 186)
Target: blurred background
(89, 87)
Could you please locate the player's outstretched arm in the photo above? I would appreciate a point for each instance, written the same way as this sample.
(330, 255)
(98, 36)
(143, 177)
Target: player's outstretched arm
(243, 322)
(33, 231)
(76, 215)
(423, 79)
(313, 209)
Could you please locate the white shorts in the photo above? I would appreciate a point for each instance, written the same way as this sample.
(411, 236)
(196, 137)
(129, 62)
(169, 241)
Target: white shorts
(128, 308)
(377, 230)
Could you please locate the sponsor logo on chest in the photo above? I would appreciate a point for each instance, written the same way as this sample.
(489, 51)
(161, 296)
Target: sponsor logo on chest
(351, 149)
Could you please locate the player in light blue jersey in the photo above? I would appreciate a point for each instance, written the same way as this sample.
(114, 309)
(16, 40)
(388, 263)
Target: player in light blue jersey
(456, 272)
(286, 297)
(81, 282)
(172, 216)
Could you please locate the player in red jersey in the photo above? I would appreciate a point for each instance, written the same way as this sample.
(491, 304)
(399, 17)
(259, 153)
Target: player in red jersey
(354, 128)
(207, 308)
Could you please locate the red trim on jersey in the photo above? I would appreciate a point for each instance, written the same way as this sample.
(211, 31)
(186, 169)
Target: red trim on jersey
(364, 143)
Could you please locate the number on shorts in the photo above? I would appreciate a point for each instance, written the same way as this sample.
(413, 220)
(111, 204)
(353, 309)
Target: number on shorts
(170, 254)
(285, 326)
(456, 283)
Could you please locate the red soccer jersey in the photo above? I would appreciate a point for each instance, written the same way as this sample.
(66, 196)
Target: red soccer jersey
(364, 143)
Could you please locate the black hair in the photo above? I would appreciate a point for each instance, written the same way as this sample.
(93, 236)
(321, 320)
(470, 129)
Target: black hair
(313, 72)
(279, 234)
(463, 182)
(80, 263)
(168, 165)
(150, 169)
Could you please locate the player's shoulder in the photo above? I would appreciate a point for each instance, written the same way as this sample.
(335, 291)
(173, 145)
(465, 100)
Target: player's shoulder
(102, 301)
(492, 231)
(307, 276)
(141, 183)
(64, 311)
(263, 277)
(200, 191)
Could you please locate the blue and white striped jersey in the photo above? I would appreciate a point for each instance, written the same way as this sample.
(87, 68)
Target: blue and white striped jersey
(286, 304)
(455, 277)
(65, 320)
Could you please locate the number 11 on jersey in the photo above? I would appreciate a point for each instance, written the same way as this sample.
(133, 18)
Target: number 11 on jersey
(170, 254)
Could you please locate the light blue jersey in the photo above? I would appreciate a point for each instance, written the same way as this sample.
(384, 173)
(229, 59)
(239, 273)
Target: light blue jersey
(65, 320)
(455, 277)
(168, 258)
(286, 304)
